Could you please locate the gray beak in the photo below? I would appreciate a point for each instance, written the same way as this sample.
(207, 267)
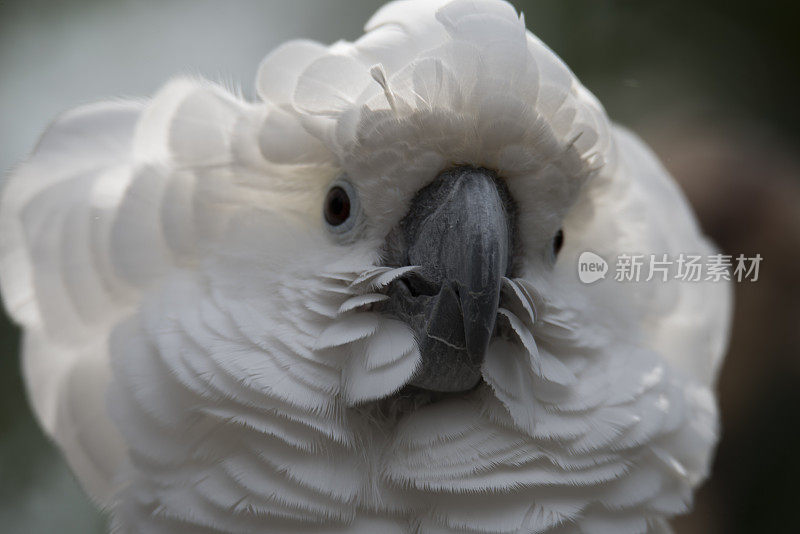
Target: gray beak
(458, 231)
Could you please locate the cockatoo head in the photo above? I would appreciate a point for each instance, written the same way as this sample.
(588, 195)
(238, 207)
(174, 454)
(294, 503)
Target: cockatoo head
(354, 303)
(440, 156)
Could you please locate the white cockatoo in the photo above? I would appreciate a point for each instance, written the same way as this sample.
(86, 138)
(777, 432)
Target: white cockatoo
(345, 307)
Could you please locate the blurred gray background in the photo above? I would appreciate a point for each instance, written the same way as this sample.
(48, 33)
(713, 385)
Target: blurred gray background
(710, 85)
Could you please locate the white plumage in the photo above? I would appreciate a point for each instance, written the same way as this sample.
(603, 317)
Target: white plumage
(201, 347)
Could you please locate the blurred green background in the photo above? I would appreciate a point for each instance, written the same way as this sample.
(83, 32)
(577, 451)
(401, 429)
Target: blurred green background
(710, 85)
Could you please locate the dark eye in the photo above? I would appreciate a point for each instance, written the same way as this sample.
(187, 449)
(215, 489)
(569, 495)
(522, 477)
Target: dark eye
(558, 242)
(337, 206)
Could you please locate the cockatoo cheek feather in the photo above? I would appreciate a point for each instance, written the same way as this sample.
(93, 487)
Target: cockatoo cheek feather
(241, 341)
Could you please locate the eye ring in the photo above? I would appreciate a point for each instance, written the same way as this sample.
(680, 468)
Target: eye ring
(341, 208)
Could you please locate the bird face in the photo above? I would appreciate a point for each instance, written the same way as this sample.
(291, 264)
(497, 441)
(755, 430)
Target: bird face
(447, 176)
(456, 247)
